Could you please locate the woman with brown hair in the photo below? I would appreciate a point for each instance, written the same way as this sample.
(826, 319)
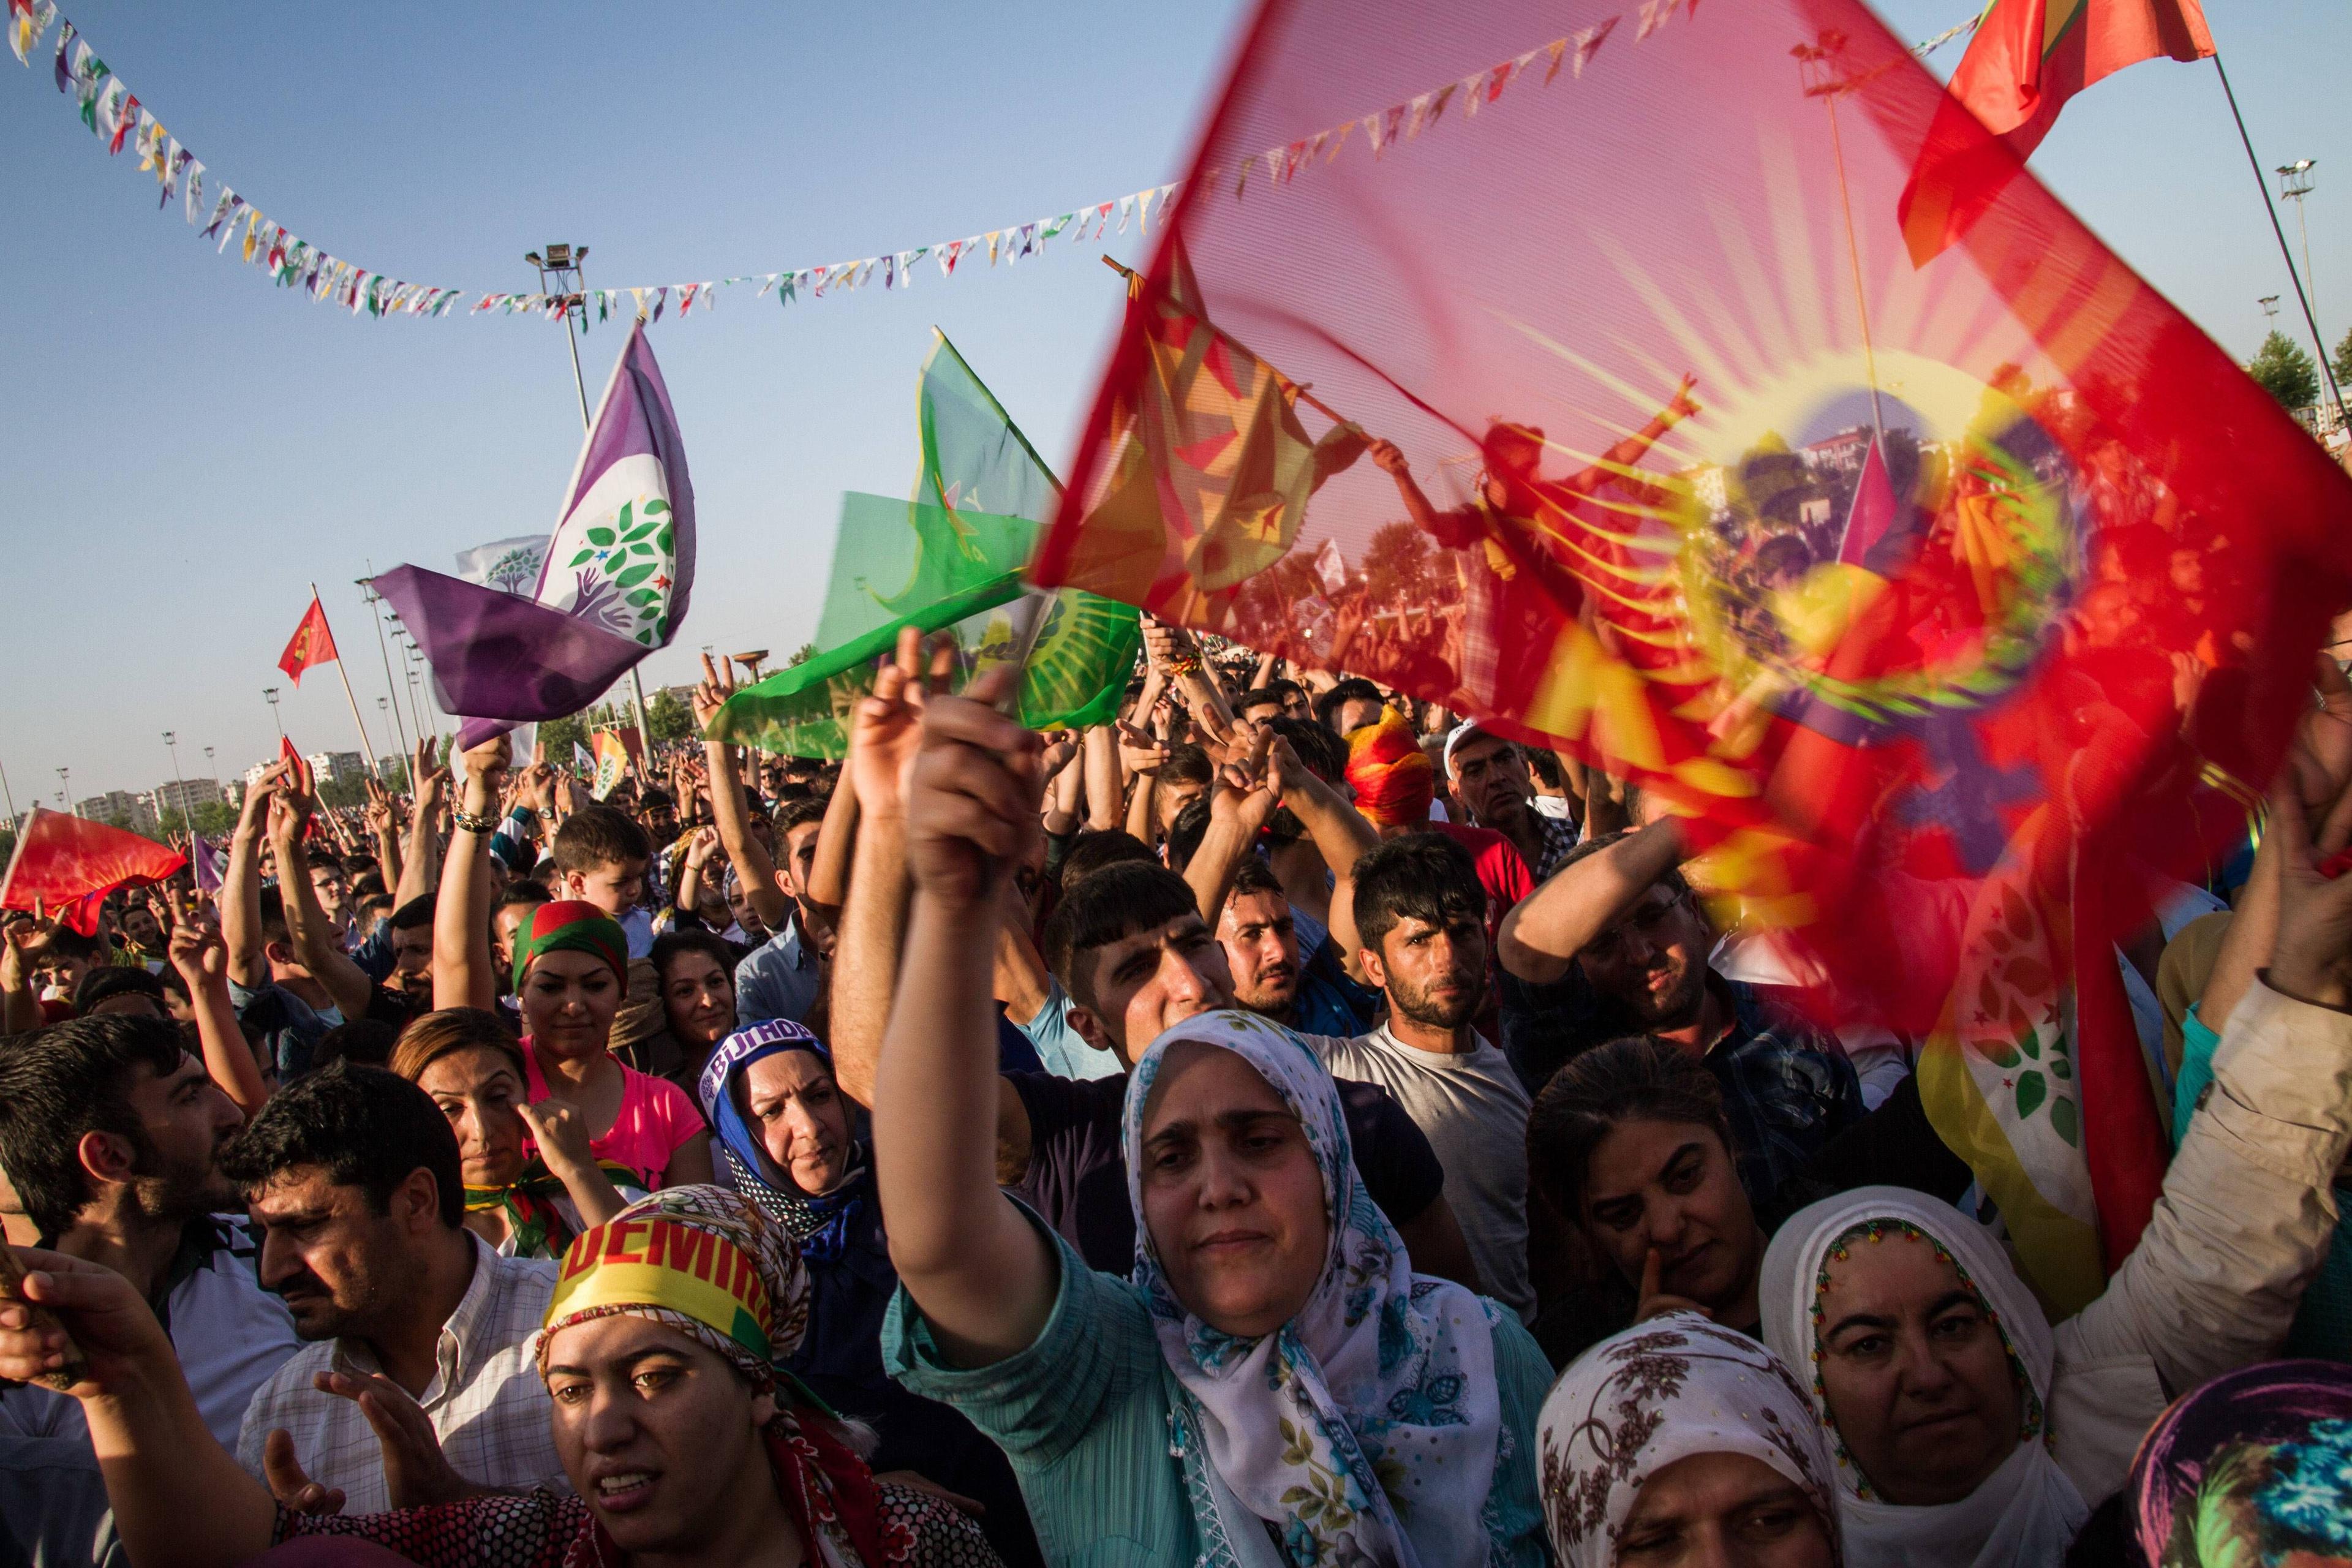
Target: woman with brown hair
(525, 1201)
(1629, 1145)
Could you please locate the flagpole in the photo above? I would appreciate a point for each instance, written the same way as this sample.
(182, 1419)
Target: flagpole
(1827, 91)
(375, 614)
(342, 674)
(2319, 344)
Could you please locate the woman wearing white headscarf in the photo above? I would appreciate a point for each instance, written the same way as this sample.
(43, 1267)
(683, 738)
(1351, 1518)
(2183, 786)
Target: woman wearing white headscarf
(1971, 1433)
(1676, 1435)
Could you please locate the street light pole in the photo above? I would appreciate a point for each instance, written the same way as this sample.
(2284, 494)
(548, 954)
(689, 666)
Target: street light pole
(375, 614)
(563, 265)
(187, 819)
(270, 692)
(65, 791)
(2294, 183)
(10, 795)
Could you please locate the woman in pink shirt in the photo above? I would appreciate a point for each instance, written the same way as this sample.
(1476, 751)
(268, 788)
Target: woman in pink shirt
(571, 972)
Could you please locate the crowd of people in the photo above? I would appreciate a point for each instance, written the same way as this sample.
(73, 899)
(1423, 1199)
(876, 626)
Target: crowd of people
(1287, 1124)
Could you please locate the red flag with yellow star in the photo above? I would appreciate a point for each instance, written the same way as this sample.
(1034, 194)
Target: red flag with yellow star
(1630, 316)
(312, 643)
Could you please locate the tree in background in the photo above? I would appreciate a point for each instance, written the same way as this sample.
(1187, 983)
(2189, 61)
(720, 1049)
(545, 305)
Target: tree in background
(214, 819)
(2285, 372)
(807, 651)
(558, 736)
(2343, 360)
(667, 718)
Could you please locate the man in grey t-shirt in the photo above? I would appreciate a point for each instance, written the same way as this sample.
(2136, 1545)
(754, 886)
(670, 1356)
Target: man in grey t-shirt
(1421, 913)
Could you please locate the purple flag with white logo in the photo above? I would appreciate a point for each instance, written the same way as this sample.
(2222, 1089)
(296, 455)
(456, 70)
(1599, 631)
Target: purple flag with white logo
(612, 587)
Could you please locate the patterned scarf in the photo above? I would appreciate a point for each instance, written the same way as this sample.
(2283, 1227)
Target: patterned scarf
(568, 925)
(1367, 1428)
(539, 1227)
(708, 1264)
(1659, 1392)
(2254, 1468)
(822, 1224)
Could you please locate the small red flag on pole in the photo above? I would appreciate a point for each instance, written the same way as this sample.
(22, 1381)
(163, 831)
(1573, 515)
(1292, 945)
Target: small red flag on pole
(311, 644)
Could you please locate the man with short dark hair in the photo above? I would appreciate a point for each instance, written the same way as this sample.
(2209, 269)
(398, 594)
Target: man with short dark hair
(411, 951)
(781, 978)
(355, 1179)
(110, 1133)
(1421, 918)
(1349, 706)
(120, 988)
(1616, 943)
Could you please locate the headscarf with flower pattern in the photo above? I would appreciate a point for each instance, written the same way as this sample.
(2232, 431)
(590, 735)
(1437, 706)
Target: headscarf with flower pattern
(2027, 1511)
(2252, 1469)
(1662, 1391)
(1367, 1428)
(705, 1262)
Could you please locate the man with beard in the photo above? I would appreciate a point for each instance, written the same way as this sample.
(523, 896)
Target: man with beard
(412, 952)
(1421, 922)
(354, 1177)
(110, 1133)
(1616, 943)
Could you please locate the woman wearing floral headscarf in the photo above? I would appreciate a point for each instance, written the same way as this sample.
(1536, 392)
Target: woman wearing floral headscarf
(784, 1134)
(2254, 1468)
(681, 1438)
(1675, 1438)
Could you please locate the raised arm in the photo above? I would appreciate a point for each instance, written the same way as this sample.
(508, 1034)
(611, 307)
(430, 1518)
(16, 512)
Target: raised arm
(1099, 750)
(27, 940)
(1545, 931)
(1141, 755)
(1391, 460)
(1342, 836)
(2245, 1219)
(1239, 805)
(2318, 765)
(202, 958)
(1176, 651)
(428, 786)
(178, 1496)
(380, 827)
(240, 893)
(981, 1275)
(754, 868)
(307, 926)
(462, 971)
(1616, 462)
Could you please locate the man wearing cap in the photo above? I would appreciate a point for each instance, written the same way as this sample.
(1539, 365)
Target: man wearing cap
(682, 1440)
(1489, 776)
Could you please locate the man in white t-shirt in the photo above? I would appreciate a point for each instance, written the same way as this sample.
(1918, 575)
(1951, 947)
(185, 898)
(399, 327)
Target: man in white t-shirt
(1420, 914)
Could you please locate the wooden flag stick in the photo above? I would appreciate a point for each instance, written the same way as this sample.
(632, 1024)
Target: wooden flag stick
(366, 749)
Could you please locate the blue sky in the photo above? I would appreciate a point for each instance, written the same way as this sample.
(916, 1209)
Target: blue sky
(185, 447)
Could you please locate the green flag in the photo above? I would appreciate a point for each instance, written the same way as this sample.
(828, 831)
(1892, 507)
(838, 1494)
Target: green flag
(948, 559)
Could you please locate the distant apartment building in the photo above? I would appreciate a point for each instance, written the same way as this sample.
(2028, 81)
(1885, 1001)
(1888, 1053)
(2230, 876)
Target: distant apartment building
(338, 767)
(122, 807)
(184, 795)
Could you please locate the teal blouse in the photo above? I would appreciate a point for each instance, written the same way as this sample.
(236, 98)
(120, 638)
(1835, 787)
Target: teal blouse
(1094, 1423)
(2323, 1324)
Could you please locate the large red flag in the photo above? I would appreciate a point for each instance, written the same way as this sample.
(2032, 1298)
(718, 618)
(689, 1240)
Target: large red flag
(311, 644)
(66, 863)
(2028, 57)
(1635, 307)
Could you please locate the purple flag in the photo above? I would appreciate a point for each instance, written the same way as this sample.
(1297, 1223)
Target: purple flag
(614, 586)
(210, 860)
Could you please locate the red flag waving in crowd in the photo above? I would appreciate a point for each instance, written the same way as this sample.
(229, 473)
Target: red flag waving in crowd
(311, 644)
(2028, 57)
(68, 864)
(1679, 463)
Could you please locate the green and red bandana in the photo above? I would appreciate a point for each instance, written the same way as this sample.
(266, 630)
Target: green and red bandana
(569, 925)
